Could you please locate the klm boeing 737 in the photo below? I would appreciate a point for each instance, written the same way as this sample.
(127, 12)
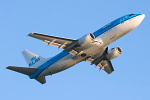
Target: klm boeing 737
(92, 47)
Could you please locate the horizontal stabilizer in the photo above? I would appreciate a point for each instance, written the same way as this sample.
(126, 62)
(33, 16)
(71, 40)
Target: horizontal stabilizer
(23, 70)
(41, 79)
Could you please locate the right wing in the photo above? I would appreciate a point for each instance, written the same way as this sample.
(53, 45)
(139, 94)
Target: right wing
(59, 42)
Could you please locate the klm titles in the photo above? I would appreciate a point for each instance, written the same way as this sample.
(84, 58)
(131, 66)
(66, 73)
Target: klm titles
(33, 61)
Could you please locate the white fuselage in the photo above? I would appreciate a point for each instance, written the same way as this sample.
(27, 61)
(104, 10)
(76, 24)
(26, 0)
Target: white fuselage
(106, 38)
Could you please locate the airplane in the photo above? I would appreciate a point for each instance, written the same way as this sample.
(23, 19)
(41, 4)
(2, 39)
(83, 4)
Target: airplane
(92, 47)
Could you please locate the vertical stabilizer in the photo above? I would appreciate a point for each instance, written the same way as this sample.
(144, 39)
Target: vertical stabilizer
(32, 59)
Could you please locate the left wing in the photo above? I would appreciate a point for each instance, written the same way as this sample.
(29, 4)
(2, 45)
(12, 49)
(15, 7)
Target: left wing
(105, 65)
(59, 42)
(102, 62)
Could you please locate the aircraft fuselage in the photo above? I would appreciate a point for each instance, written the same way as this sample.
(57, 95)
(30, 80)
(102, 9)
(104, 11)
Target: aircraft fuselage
(105, 36)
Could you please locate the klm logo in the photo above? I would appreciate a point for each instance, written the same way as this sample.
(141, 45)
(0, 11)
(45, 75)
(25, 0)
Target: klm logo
(33, 61)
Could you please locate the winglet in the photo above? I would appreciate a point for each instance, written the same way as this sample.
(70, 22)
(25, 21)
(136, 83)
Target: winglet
(31, 33)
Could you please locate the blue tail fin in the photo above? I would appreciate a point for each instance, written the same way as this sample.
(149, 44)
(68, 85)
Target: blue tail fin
(32, 59)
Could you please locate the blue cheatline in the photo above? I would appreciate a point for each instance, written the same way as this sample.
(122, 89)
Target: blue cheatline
(51, 61)
(113, 24)
(96, 34)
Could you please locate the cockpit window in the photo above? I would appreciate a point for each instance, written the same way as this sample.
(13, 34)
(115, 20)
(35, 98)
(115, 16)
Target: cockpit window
(131, 14)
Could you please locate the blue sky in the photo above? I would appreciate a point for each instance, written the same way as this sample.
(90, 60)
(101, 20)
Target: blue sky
(73, 19)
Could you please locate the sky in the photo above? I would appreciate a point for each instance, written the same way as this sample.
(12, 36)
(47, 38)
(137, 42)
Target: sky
(73, 19)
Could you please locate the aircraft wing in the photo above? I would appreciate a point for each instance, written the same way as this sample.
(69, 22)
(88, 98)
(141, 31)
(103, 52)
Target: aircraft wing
(55, 41)
(102, 62)
(106, 65)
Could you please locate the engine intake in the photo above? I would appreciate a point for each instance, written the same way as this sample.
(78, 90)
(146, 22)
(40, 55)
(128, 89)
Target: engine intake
(113, 53)
(87, 39)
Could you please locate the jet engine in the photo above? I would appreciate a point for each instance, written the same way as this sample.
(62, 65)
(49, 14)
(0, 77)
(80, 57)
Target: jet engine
(87, 39)
(113, 53)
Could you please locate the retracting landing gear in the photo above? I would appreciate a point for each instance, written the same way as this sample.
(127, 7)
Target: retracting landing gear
(83, 55)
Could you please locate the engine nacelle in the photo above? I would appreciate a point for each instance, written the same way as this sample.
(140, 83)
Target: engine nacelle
(113, 53)
(87, 39)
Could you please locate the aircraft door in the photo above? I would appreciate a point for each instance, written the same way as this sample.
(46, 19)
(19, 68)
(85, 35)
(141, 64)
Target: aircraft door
(122, 20)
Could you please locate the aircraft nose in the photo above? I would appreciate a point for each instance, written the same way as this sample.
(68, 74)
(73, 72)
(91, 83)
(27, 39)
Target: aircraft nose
(141, 17)
(138, 20)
